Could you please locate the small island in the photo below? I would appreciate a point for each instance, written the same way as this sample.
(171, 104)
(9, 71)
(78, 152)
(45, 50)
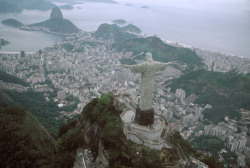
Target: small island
(119, 22)
(12, 22)
(145, 7)
(128, 4)
(67, 7)
(3, 42)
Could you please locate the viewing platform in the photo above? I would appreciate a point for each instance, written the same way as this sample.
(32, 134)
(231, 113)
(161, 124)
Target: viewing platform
(153, 136)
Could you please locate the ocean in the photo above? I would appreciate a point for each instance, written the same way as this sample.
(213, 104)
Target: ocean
(222, 26)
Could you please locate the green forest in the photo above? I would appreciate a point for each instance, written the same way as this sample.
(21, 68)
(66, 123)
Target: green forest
(214, 145)
(45, 111)
(24, 142)
(107, 31)
(121, 152)
(11, 79)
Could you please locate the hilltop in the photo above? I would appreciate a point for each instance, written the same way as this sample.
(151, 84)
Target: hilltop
(111, 148)
(107, 31)
(226, 92)
(132, 29)
(56, 24)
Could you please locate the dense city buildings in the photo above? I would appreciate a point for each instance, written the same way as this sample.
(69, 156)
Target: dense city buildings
(97, 69)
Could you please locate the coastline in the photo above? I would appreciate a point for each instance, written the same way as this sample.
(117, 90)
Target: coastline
(214, 60)
(176, 44)
(218, 61)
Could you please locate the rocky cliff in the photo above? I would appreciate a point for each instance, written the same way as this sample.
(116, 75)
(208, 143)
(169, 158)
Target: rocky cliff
(56, 13)
(101, 127)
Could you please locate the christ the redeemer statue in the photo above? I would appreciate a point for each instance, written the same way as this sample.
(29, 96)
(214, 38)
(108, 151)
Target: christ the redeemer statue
(145, 112)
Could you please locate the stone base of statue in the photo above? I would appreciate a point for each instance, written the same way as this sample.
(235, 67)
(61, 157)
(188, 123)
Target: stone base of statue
(144, 117)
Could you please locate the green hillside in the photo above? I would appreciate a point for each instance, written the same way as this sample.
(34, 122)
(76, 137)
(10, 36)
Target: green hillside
(131, 28)
(11, 79)
(45, 111)
(121, 152)
(226, 92)
(58, 26)
(160, 51)
(107, 31)
(214, 145)
(24, 142)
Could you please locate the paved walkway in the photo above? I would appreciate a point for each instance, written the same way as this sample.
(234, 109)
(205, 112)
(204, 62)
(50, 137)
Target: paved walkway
(127, 116)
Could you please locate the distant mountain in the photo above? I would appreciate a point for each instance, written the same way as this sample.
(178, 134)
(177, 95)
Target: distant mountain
(145, 7)
(57, 26)
(10, 6)
(68, 7)
(24, 142)
(79, 1)
(119, 21)
(226, 92)
(161, 52)
(56, 23)
(132, 28)
(107, 31)
(56, 13)
(12, 22)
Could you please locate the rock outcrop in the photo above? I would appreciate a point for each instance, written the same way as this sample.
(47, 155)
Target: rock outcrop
(56, 13)
(56, 24)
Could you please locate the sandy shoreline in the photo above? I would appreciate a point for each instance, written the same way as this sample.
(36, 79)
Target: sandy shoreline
(176, 44)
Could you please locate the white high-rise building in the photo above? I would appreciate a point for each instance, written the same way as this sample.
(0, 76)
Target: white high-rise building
(180, 94)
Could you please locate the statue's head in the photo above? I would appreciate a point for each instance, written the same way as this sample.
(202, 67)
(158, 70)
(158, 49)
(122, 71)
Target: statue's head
(149, 57)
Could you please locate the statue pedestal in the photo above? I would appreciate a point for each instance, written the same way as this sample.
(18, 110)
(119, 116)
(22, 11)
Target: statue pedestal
(144, 117)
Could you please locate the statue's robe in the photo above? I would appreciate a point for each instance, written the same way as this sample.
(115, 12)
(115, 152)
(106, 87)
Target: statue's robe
(147, 70)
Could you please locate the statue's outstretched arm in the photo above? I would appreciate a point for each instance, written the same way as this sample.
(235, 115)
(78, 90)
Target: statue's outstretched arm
(162, 66)
(135, 68)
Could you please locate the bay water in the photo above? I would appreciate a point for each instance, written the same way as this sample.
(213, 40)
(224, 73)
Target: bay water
(208, 24)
